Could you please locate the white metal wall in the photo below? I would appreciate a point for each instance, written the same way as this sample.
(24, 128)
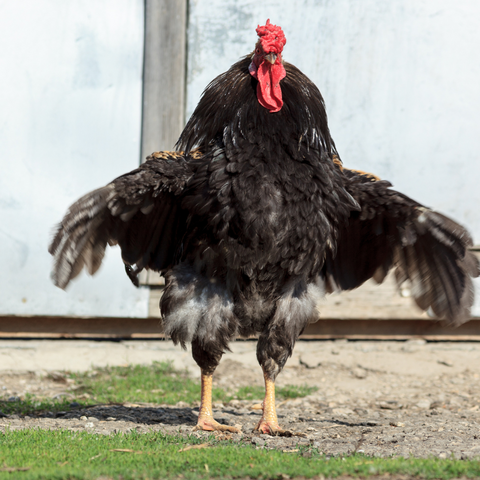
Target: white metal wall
(400, 80)
(70, 96)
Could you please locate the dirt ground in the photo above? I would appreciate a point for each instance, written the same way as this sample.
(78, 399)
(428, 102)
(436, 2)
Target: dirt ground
(382, 398)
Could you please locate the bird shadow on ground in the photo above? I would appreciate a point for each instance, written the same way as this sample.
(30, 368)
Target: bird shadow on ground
(138, 414)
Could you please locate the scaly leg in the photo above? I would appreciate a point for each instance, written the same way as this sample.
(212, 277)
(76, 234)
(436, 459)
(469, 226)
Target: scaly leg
(205, 415)
(269, 422)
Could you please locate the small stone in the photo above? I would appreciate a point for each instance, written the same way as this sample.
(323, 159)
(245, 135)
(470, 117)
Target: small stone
(424, 404)
(84, 418)
(310, 361)
(93, 419)
(74, 405)
(360, 411)
(342, 411)
(89, 425)
(442, 455)
(111, 419)
(390, 405)
(13, 399)
(57, 377)
(259, 442)
(359, 373)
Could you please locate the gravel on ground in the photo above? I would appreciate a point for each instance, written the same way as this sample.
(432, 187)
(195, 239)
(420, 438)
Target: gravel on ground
(381, 398)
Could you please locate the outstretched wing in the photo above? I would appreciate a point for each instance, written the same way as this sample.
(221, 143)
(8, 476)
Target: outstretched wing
(421, 245)
(140, 211)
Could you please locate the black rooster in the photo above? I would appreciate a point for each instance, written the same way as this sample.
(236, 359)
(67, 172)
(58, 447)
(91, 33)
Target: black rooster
(255, 219)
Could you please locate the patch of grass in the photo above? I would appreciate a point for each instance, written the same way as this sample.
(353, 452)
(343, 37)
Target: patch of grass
(250, 393)
(281, 393)
(155, 383)
(294, 391)
(40, 454)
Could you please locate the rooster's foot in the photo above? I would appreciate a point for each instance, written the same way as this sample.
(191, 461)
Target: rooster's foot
(272, 428)
(211, 425)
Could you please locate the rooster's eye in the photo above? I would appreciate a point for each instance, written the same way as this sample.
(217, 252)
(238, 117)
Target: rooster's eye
(257, 51)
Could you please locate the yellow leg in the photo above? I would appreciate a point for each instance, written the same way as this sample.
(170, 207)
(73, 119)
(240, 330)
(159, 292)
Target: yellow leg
(205, 416)
(269, 422)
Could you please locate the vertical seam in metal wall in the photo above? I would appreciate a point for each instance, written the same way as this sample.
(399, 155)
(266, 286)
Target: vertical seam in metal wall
(185, 85)
(142, 107)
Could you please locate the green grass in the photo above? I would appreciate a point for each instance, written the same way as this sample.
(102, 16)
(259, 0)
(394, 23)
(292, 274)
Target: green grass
(281, 393)
(157, 383)
(75, 455)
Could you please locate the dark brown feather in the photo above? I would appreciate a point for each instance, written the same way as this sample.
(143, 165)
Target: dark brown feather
(424, 247)
(135, 211)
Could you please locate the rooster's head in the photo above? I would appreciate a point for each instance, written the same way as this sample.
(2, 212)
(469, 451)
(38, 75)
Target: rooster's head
(267, 66)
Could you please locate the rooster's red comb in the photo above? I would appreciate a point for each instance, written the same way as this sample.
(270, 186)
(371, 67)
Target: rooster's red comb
(272, 38)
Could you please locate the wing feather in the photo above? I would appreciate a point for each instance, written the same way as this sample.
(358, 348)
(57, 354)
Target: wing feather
(422, 246)
(140, 211)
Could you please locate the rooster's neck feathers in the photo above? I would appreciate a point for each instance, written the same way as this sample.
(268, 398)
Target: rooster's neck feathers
(229, 107)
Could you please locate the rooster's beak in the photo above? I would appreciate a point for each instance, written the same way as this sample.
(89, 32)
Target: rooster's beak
(271, 57)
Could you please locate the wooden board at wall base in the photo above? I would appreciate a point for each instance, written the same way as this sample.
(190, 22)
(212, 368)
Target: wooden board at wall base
(123, 328)
(375, 312)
